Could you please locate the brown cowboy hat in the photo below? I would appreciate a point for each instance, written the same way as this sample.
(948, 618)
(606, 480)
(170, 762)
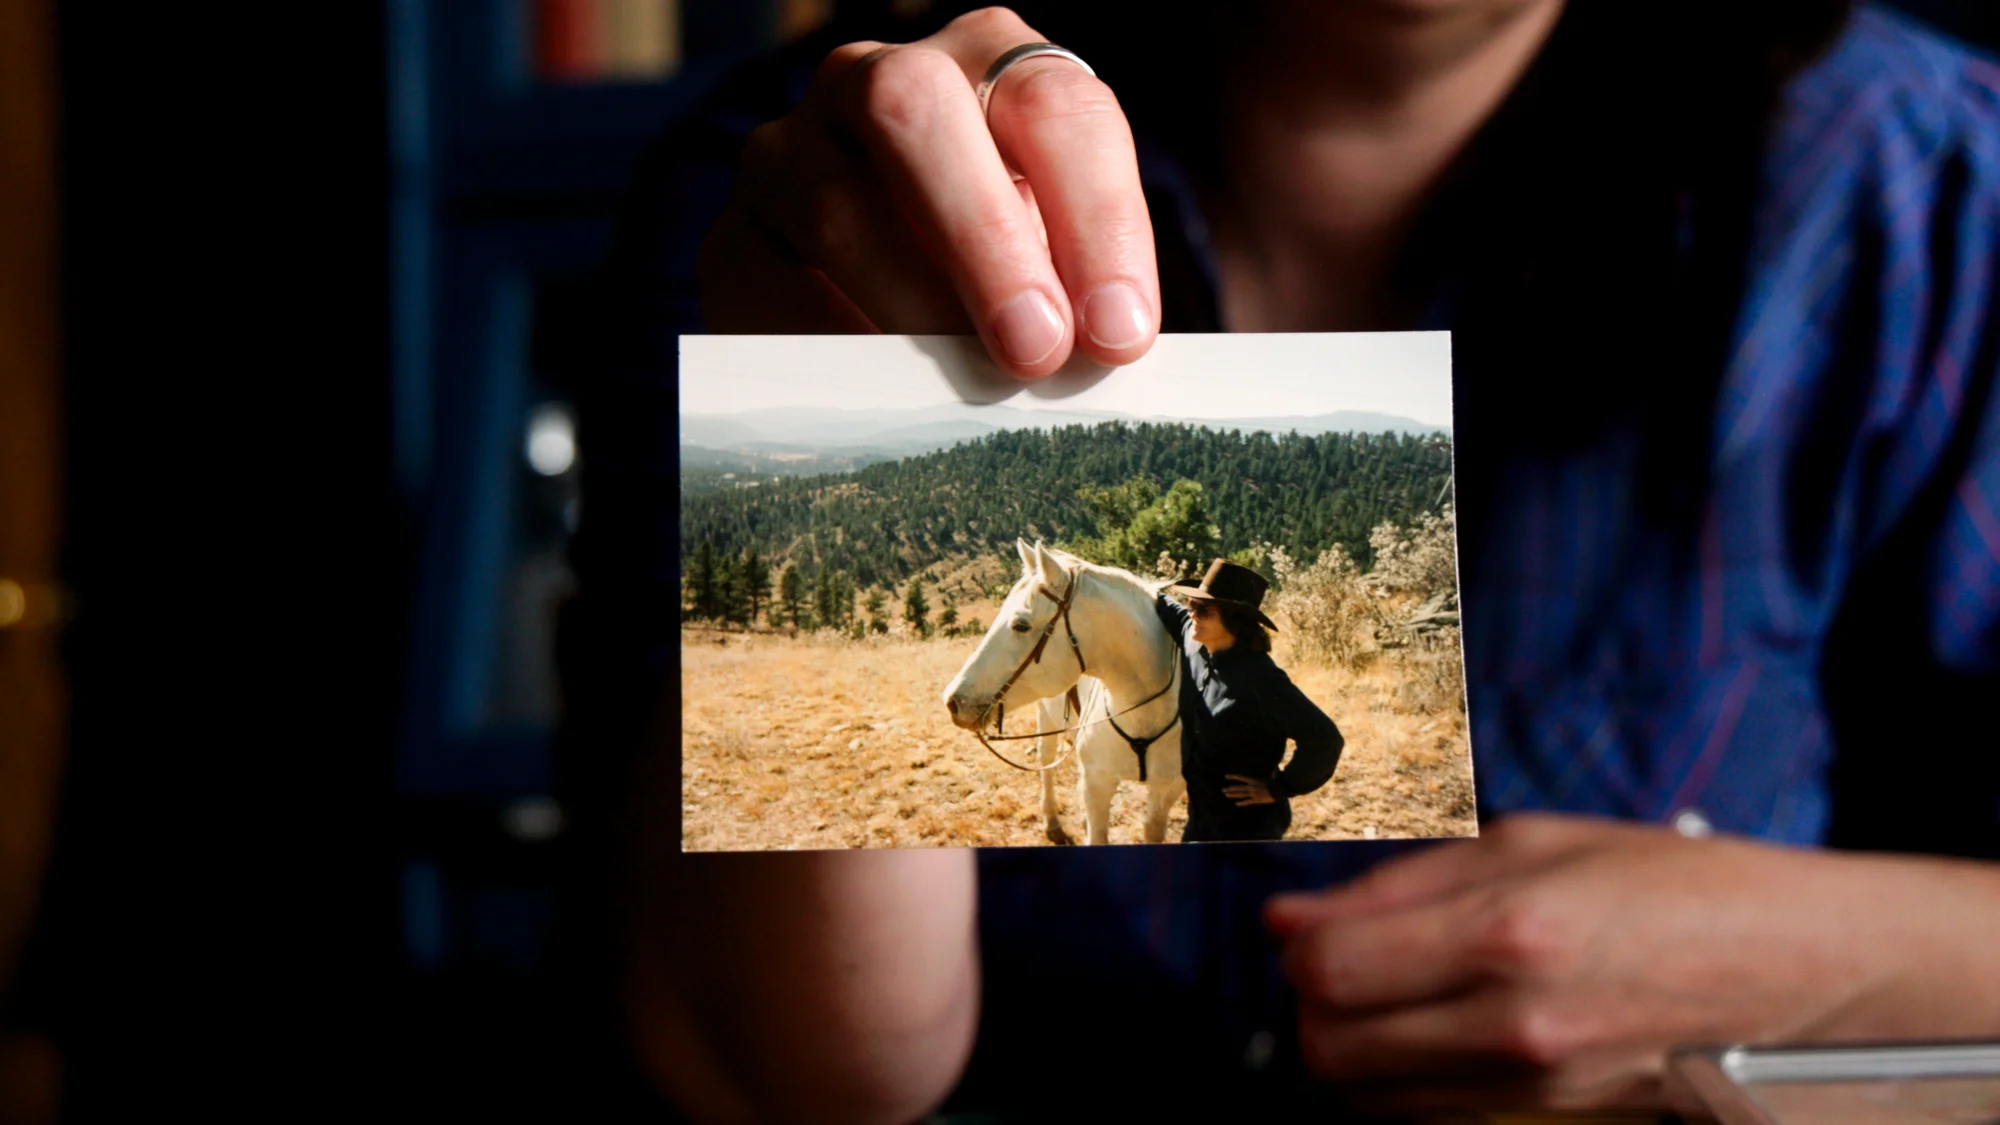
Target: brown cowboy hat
(1230, 584)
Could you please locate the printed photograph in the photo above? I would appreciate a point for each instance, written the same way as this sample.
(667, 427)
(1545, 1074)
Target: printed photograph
(1208, 597)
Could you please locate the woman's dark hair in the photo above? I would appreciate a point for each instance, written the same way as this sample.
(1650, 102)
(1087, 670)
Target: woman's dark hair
(1243, 625)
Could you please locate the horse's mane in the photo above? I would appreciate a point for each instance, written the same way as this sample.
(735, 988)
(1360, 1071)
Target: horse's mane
(1148, 586)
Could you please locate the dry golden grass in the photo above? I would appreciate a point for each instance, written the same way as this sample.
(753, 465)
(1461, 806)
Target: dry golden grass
(816, 742)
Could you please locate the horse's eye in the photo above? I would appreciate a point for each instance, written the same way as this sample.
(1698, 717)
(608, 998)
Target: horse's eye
(1022, 625)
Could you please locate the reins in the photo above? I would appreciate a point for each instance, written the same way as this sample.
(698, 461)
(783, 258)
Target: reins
(1035, 657)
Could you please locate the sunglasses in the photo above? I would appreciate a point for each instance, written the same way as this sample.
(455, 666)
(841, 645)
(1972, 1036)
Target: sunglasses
(1202, 609)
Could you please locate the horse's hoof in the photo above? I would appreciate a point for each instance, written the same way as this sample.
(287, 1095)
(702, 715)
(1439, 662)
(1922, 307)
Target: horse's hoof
(1057, 835)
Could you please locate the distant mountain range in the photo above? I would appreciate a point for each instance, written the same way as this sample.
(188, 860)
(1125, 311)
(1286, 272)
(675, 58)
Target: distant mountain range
(799, 440)
(780, 459)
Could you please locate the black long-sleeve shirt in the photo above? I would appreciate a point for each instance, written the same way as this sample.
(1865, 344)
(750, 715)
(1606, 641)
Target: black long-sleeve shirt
(1239, 709)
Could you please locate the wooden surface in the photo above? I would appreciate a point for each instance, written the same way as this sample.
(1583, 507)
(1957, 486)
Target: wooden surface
(32, 701)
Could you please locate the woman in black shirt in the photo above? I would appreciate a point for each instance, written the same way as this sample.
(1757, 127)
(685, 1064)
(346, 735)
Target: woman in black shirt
(1238, 710)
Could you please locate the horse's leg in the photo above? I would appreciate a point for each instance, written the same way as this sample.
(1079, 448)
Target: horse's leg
(1166, 787)
(1052, 823)
(1161, 793)
(1098, 785)
(1046, 749)
(1084, 771)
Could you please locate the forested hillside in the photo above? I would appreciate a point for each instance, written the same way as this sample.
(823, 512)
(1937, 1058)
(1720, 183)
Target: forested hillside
(885, 522)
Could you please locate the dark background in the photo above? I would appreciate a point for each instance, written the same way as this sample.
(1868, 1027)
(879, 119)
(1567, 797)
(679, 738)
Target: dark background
(318, 270)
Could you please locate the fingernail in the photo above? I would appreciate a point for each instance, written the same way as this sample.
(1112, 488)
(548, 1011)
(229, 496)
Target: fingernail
(1281, 910)
(1287, 903)
(1116, 316)
(1028, 328)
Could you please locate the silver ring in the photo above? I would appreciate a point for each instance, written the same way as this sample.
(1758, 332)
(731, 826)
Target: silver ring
(1019, 54)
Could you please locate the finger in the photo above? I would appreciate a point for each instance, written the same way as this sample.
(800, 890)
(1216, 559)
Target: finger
(916, 114)
(1392, 885)
(1406, 956)
(751, 284)
(1510, 847)
(1482, 1033)
(1027, 191)
(839, 60)
(832, 211)
(1064, 131)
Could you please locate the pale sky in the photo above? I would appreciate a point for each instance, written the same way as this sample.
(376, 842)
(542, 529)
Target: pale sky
(1192, 376)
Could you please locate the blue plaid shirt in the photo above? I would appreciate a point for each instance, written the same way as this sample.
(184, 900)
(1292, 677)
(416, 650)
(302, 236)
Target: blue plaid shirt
(1767, 591)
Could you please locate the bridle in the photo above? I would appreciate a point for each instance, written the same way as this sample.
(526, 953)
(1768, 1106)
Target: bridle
(1034, 657)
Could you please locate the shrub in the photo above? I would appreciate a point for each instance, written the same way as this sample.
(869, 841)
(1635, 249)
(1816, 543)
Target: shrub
(1432, 676)
(1338, 613)
(1420, 560)
(1332, 612)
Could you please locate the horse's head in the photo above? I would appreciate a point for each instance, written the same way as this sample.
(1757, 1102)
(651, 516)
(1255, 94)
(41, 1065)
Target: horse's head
(1026, 654)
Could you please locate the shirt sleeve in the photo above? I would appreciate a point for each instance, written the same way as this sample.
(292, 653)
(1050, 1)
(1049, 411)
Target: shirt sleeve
(1936, 473)
(1175, 617)
(1318, 741)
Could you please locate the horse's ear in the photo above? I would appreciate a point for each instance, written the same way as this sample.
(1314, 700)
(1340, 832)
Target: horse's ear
(1027, 554)
(1047, 563)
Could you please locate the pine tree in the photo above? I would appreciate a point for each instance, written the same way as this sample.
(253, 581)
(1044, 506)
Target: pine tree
(735, 592)
(721, 578)
(823, 603)
(792, 593)
(876, 605)
(917, 608)
(948, 616)
(698, 583)
(756, 584)
(843, 598)
(1176, 526)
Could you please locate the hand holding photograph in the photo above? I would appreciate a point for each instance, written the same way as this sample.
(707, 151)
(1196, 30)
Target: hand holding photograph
(925, 604)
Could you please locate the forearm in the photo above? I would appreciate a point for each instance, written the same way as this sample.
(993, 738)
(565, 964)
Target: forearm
(1312, 766)
(794, 986)
(807, 986)
(1918, 936)
(1317, 744)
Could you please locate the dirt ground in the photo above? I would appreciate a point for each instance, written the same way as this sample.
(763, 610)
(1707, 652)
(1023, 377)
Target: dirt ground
(818, 742)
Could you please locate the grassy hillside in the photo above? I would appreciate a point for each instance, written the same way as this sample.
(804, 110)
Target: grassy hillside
(885, 522)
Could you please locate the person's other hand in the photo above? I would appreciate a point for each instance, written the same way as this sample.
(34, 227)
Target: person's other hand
(1251, 792)
(1554, 961)
(888, 202)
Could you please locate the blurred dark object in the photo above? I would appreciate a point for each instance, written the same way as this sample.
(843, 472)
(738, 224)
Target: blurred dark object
(218, 917)
(514, 129)
(33, 706)
(1975, 21)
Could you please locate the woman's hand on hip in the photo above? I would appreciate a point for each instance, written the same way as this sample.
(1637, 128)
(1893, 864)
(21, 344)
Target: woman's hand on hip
(888, 202)
(1250, 792)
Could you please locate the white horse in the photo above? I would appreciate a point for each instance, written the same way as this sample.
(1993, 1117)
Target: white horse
(1067, 621)
(1053, 717)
